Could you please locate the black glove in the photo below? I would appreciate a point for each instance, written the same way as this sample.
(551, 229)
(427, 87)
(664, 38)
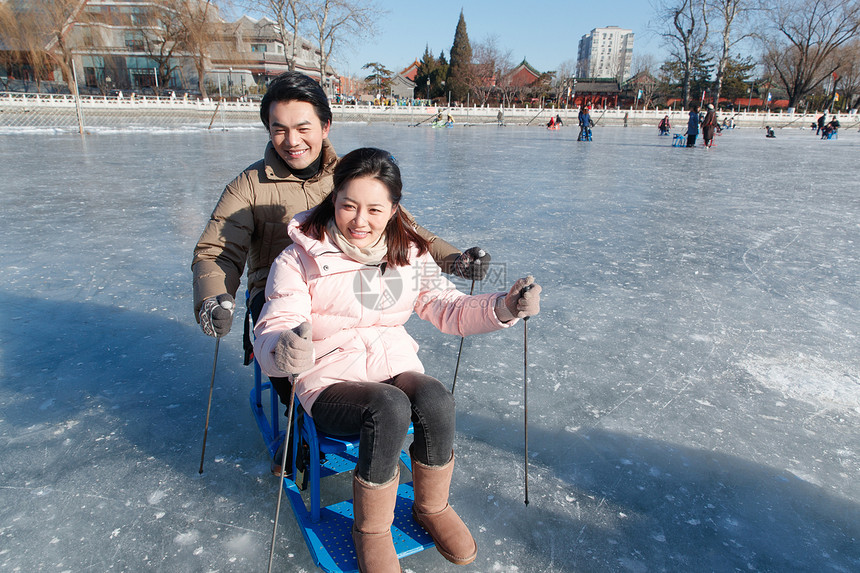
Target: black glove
(216, 315)
(473, 264)
(294, 351)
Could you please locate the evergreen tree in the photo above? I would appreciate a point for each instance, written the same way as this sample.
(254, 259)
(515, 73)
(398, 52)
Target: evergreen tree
(428, 71)
(380, 77)
(461, 62)
(736, 77)
(672, 77)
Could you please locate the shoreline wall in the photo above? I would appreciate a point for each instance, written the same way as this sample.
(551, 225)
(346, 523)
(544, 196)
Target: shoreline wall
(60, 111)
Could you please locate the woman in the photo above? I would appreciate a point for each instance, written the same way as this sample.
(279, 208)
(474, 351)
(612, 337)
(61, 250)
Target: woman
(693, 126)
(709, 125)
(337, 300)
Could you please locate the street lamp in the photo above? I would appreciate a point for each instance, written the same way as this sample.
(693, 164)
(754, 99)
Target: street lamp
(428, 90)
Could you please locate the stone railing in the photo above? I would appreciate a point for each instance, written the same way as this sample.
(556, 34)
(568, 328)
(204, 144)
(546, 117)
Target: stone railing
(53, 110)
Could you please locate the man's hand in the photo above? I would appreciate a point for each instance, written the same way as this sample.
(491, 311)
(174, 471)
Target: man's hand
(473, 264)
(216, 315)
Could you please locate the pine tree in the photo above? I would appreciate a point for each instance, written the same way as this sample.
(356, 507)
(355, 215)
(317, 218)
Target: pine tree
(461, 62)
(428, 71)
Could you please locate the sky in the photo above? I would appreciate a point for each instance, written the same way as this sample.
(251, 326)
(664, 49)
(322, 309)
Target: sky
(545, 34)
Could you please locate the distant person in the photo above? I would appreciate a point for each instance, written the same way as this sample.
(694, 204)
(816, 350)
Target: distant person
(500, 117)
(664, 125)
(248, 227)
(585, 124)
(558, 121)
(830, 129)
(770, 132)
(822, 121)
(693, 126)
(449, 121)
(357, 369)
(709, 124)
(551, 123)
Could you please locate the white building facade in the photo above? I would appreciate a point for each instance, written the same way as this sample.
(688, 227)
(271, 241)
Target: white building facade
(605, 53)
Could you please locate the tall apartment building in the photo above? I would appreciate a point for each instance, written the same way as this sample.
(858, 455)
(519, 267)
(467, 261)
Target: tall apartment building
(605, 53)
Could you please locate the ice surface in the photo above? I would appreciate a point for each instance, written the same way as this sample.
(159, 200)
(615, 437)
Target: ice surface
(694, 393)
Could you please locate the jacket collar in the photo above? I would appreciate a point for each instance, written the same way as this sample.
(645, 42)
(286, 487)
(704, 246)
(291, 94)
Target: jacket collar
(277, 170)
(327, 256)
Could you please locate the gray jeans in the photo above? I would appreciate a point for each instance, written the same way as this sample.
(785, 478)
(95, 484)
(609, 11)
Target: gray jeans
(380, 413)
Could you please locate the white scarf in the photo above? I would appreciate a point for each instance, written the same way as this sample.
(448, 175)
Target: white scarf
(372, 255)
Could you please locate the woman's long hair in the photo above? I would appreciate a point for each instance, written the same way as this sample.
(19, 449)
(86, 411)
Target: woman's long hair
(400, 234)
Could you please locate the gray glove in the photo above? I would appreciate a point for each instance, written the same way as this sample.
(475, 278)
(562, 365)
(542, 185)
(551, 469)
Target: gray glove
(294, 351)
(473, 264)
(519, 304)
(216, 315)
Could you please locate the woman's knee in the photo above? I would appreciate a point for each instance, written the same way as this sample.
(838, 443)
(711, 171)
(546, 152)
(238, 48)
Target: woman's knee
(390, 408)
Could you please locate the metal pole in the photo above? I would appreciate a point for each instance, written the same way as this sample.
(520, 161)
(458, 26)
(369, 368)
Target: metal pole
(460, 351)
(209, 405)
(526, 289)
(228, 305)
(77, 96)
(283, 470)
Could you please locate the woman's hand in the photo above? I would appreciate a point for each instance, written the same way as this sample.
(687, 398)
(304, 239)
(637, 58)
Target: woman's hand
(519, 304)
(294, 351)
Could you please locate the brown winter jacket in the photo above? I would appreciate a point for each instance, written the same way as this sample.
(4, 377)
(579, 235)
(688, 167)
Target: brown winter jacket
(249, 225)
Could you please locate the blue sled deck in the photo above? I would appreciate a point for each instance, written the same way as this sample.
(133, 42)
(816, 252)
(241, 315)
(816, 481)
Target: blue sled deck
(329, 538)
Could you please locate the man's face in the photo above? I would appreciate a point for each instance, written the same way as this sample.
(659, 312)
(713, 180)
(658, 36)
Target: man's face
(296, 132)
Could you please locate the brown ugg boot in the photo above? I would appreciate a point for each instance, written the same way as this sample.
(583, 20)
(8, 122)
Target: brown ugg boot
(432, 512)
(373, 506)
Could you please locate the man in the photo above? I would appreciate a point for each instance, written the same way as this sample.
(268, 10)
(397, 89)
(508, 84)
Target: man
(249, 222)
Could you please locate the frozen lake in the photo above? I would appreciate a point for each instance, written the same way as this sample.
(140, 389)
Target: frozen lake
(694, 387)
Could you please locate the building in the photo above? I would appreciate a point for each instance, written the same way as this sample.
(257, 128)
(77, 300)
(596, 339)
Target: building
(256, 45)
(524, 75)
(402, 87)
(605, 53)
(141, 46)
(597, 93)
(411, 71)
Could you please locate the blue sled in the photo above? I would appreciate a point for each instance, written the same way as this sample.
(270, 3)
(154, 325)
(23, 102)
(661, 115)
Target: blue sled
(328, 530)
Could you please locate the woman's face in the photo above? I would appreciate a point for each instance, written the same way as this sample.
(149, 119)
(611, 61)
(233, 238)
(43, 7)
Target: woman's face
(362, 209)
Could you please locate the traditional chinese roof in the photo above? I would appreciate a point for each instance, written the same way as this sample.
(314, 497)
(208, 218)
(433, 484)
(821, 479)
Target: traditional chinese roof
(410, 71)
(524, 74)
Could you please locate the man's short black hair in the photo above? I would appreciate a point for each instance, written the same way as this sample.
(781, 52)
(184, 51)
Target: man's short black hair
(295, 86)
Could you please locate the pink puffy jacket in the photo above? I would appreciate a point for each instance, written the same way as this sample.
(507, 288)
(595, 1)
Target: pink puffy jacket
(358, 311)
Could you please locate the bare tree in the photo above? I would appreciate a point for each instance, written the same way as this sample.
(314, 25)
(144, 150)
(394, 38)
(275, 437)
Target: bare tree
(291, 17)
(849, 79)
(162, 36)
(489, 63)
(733, 16)
(686, 34)
(337, 21)
(643, 63)
(200, 20)
(805, 35)
(37, 31)
(565, 81)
